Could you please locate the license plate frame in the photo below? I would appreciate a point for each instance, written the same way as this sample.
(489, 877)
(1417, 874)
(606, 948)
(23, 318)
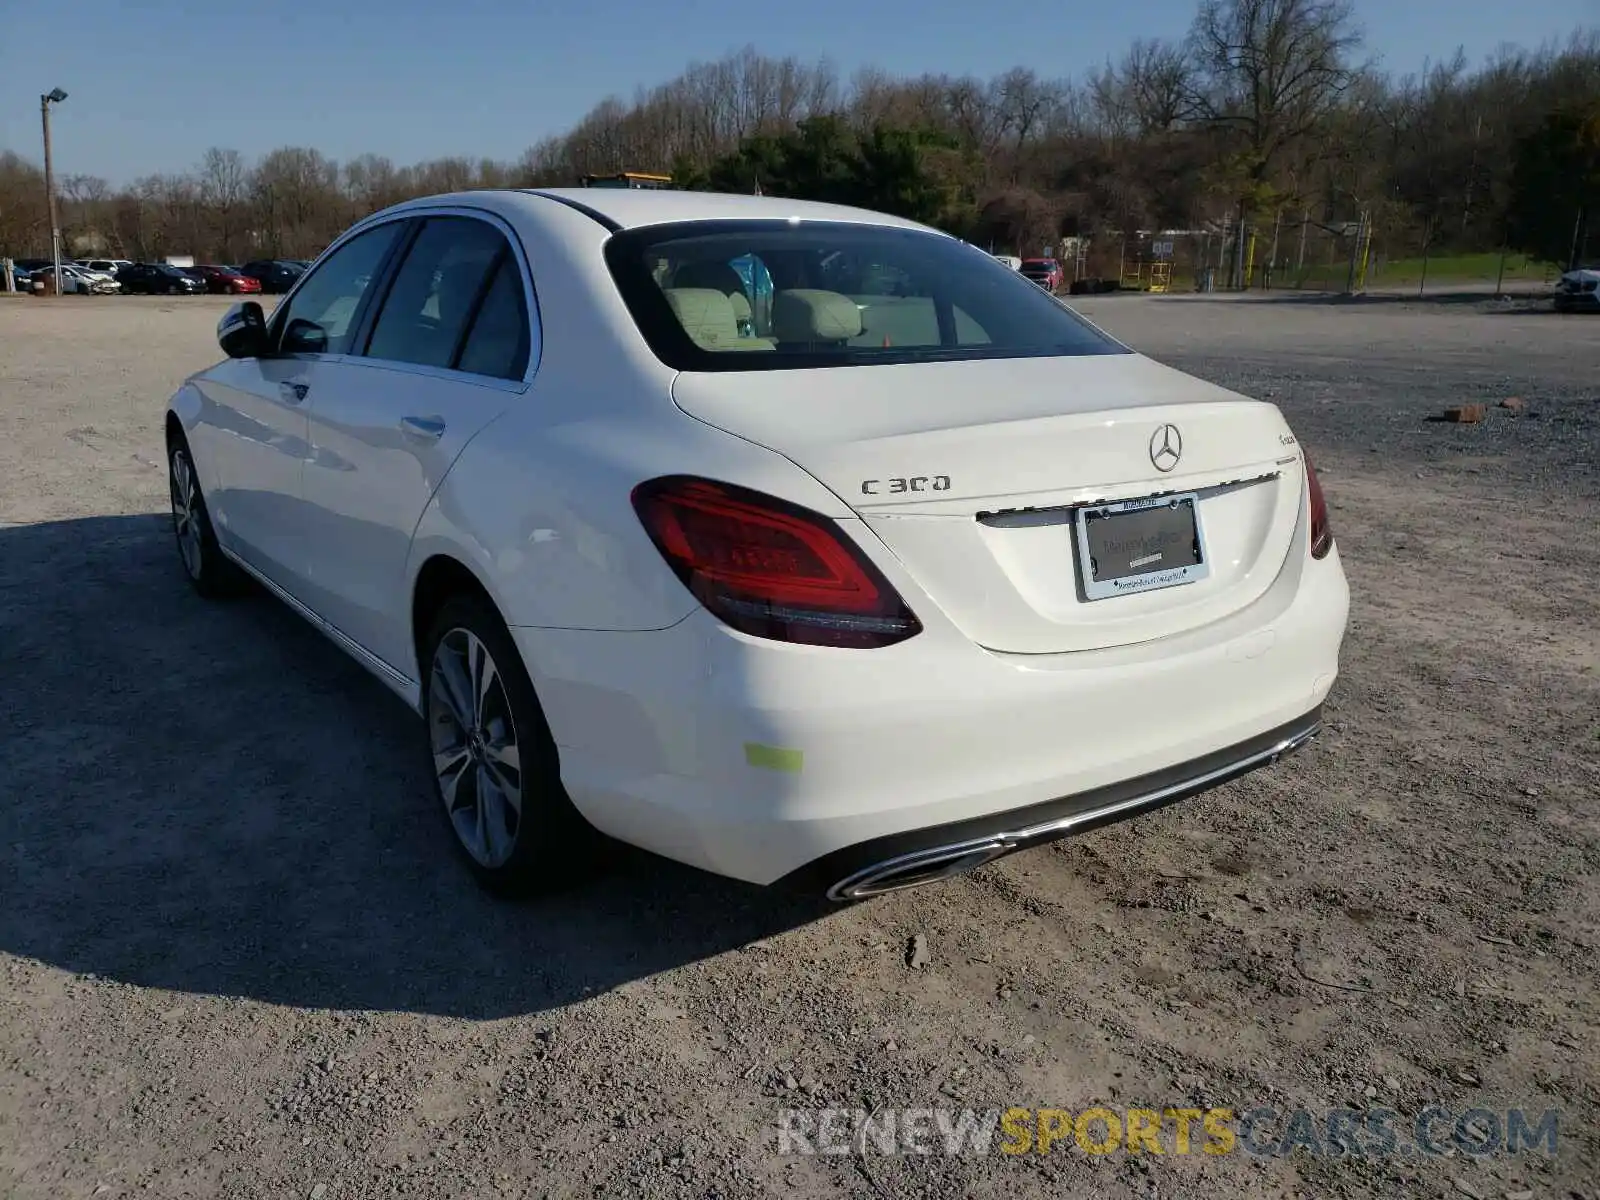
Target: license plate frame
(1113, 583)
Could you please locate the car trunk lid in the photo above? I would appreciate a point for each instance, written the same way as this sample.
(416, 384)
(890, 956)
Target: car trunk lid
(977, 475)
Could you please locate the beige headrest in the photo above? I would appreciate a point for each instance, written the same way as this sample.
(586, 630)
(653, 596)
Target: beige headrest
(741, 307)
(811, 315)
(705, 314)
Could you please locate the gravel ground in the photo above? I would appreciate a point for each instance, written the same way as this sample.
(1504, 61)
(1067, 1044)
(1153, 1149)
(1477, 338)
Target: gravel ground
(237, 960)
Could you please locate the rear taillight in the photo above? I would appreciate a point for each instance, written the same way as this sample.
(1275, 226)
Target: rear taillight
(1321, 528)
(769, 568)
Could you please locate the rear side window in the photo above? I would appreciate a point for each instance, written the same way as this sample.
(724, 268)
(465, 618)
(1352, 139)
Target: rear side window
(497, 343)
(437, 291)
(765, 295)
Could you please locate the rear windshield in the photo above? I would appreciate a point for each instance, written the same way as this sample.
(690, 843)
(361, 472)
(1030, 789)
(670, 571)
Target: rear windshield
(764, 295)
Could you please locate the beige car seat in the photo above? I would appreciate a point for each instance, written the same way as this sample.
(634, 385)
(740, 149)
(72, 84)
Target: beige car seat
(707, 316)
(805, 317)
(720, 277)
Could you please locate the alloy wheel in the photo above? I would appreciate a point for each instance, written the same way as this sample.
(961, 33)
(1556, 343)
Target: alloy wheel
(186, 513)
(476, 757)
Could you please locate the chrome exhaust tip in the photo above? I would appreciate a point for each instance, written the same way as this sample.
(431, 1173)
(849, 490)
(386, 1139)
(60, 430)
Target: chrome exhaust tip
(941, 862)
(915, 870)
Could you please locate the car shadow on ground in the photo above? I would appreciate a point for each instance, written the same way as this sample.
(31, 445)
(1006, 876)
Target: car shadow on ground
(211, 798)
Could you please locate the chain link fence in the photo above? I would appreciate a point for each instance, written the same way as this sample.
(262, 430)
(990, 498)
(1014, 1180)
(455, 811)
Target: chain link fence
(1294, 252)
(1304, 255)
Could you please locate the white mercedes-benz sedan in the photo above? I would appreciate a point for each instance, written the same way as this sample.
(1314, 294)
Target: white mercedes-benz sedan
(802, 544)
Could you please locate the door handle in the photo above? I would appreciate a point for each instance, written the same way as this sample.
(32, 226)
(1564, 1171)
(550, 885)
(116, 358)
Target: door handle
(295, 392)
(427, 428)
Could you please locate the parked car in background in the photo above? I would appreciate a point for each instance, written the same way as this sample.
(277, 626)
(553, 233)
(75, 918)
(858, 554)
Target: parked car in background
(273, 274)
(1046, 272)
(158, 279)
(223, 280)
(76, 280)
(678, 590)
(106, 281)
(1578, 291)
(109, 265)
(21, 278)
(1010, 260)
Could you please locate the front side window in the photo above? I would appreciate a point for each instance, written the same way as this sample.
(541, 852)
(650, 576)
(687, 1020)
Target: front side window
(320, 317)
(437, 291)
(763, 295)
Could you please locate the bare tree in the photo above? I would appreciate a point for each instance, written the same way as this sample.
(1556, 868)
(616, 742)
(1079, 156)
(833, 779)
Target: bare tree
(24, 225)
(444, 175)
(1270, 73)
(224, 189)
(299, 207)
(974, 112)
(84, 189)
(85, 212)
(1023, 104)
(1159, 80)
(370, 182)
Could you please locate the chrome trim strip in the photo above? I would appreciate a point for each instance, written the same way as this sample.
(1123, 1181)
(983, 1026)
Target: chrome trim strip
(1063, 514)
(407, 689)
(966, 855)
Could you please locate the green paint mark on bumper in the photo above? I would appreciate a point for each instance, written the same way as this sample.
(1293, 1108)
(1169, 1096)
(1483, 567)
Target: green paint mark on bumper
(773, 758)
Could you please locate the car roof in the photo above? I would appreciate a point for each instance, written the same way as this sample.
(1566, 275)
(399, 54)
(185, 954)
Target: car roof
(633, 208)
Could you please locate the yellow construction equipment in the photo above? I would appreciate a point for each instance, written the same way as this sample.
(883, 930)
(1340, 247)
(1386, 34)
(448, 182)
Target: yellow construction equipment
(627, 179)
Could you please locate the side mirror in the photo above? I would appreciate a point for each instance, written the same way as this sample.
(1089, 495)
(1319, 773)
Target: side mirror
(242, 332)
(305, 337)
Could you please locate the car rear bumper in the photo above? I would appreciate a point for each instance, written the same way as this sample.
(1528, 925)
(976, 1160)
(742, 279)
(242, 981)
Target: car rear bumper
(762, 761)
(899, 861)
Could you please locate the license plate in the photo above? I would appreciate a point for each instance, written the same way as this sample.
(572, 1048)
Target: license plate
(1140, 545)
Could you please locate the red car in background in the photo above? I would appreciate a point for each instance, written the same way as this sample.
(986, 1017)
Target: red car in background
(1046, 272)
(224, 280)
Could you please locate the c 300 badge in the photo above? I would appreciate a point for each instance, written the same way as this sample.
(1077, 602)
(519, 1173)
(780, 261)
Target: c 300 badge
(909, 483)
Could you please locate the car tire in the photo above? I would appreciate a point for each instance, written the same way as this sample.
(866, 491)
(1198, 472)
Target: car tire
(209, 571)
(495, 770)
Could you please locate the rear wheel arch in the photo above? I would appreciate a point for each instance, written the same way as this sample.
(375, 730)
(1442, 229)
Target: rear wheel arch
(440, 578)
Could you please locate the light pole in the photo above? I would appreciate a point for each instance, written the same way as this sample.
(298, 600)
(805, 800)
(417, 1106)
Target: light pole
(54, 96)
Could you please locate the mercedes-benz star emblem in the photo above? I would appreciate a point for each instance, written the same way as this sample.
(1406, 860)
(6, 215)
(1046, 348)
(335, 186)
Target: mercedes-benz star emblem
(1166, 447)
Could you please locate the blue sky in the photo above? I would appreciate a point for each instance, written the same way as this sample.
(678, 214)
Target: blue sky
(153, 83)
